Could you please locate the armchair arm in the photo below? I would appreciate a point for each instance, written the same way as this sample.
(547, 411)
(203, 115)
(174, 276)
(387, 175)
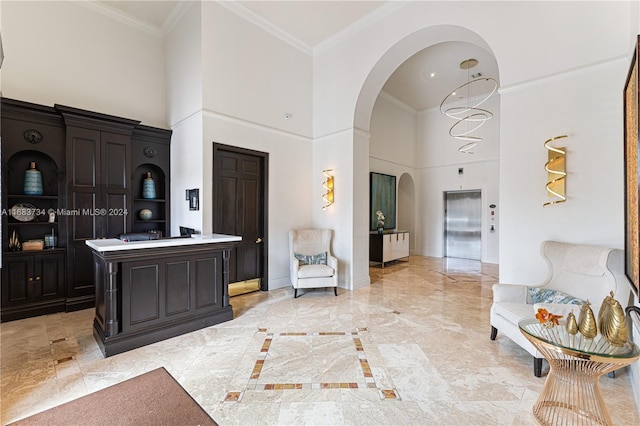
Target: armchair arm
(294, 265)
(332, 261)
(514, 293)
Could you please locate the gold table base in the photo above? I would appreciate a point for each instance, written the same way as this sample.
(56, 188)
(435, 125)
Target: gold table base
(571, 393)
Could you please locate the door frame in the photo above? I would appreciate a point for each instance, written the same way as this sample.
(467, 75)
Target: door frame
(264, 159)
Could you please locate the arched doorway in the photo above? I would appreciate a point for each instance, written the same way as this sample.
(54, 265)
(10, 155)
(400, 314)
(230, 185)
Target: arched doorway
(430, 180)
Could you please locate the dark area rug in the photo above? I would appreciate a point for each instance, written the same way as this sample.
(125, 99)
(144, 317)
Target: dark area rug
(153, 398)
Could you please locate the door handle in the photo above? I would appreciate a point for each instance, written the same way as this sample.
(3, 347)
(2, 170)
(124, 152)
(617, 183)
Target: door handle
(258, 240)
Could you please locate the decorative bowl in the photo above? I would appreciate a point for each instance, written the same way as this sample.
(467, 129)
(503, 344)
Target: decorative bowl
(145, 214)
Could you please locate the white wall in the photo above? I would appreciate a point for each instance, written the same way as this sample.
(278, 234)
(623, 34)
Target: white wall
(183, 64)
(393, 135)
(248, 80)
(253, 75)
(64, 53)
(332, 217)
(392, 151)
(187, 164)
(183, 53)
(587, 106)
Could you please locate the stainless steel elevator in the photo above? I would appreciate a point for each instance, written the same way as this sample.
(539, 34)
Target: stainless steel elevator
(463, 224)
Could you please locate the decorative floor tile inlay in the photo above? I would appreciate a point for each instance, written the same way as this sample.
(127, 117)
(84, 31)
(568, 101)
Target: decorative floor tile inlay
(233, 397)
(309, 360)
(389, 394)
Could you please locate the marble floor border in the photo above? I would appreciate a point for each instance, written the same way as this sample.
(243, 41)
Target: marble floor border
(368, 381)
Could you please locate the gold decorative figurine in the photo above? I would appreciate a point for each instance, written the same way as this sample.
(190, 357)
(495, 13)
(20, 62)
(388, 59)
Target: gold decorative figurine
(612, 321)
(587, 322)
(572, 324)
(14, 242)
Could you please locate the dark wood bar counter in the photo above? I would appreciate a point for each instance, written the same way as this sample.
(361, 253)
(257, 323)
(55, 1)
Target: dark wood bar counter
(148, 291)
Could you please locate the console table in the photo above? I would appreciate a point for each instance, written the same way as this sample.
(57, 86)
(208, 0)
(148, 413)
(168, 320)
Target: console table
(571, 393)
(147, 291)
(392, 245)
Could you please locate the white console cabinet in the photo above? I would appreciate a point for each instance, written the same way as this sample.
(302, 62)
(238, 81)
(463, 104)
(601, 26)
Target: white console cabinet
(388, 246)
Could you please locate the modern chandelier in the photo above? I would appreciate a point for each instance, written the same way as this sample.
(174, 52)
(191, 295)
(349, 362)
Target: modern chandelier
(463, 104)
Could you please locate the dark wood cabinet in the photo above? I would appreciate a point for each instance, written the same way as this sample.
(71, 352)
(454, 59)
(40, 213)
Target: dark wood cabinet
(33, 283)
(98, 191)
(91, 166)
(170, 289)
(150, 294)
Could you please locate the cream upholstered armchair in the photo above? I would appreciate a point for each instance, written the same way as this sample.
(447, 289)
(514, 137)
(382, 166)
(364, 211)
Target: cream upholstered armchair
(577, 273)
(311, 262)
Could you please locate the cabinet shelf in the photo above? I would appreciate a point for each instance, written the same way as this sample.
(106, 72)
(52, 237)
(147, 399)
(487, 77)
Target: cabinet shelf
(10, 224)
(32, 197)
(150, 200)
(32, 252)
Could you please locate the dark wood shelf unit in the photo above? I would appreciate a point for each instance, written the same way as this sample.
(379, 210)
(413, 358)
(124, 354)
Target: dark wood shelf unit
(32, 281)
(88, 162)
(150, 152)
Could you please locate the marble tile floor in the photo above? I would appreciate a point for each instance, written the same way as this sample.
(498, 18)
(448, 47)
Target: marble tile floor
(411, 349)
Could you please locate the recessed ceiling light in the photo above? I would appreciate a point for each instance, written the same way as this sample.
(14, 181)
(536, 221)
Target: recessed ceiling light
(433, 74)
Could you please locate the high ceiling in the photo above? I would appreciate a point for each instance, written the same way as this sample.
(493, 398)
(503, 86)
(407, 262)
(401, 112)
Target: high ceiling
(314, 22)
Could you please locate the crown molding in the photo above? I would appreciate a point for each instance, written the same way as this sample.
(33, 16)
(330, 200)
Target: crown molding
(174, 17)
(563, 75)
(103, 9)
(397, 102)
(367, 20)
(238, 9)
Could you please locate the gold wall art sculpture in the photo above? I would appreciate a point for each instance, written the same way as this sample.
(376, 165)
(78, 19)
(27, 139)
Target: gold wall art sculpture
(557, 172)
(327, 185)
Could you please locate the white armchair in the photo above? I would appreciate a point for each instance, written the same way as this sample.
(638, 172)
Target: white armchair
(581, 271)
(311, 262)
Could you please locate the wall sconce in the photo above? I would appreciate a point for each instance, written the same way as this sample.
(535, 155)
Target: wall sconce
(557, 169)
(327, 197)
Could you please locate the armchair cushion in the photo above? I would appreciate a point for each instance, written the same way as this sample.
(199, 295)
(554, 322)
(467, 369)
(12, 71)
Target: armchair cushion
(312, 259)
(315, 271)
(549, 295)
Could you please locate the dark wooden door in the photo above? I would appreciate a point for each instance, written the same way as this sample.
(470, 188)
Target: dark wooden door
(84, 166)
(239, 208)
(98, 164)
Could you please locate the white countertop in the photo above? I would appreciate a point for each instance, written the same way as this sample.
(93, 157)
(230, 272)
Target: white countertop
(114, 244)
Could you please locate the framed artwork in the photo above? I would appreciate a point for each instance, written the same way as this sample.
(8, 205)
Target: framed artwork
(383, 199)
(631, 172)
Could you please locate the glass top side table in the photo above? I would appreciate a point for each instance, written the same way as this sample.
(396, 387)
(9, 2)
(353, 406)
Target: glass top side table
(571, 393)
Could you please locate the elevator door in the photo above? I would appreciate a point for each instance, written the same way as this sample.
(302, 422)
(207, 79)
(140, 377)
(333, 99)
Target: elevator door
(462, 224)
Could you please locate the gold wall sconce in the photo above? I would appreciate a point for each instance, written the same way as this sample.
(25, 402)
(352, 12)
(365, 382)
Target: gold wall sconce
(556, 168)
(327, 197)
